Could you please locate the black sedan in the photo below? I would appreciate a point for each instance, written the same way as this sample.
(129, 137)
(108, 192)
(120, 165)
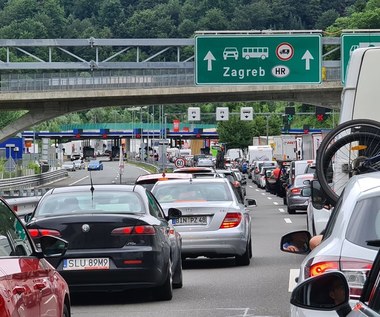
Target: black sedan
(119, 238)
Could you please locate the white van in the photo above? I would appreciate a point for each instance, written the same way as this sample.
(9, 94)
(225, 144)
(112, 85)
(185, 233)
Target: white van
(298, 168)
(361, 94)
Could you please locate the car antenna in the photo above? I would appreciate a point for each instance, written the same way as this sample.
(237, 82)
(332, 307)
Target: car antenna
(92, 188)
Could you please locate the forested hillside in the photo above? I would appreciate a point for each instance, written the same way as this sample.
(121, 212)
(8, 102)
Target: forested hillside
(163, 18)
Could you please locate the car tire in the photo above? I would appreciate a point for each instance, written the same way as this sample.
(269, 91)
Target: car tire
(165, 291)
(178, 276)
(244, 259)
(291, 211)
(65, 311)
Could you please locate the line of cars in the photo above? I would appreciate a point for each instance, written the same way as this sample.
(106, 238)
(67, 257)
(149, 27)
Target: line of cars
(93, 165)
(117, 237)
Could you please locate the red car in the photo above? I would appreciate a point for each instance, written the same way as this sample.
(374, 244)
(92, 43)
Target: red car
(29, 285)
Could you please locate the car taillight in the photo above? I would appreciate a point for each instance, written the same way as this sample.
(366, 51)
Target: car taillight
(295, 190)
(236, 184)
(36, 233)
(231, 220)
(355, 270)
(147, 230)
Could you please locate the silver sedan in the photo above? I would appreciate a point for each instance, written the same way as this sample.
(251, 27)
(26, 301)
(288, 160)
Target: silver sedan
(213, 224)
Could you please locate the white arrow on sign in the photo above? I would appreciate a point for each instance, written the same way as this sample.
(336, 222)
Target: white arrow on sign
(307, 57)
(209, 58)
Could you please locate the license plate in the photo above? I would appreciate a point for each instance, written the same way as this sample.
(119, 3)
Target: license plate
(195, 220)
(86, 264)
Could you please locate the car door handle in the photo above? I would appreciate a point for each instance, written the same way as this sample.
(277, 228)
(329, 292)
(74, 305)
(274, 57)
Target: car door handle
(39, 286)
(18, 290)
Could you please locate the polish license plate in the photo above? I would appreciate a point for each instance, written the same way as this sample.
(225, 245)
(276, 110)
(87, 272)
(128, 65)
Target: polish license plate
(195, 220)
(86, 264)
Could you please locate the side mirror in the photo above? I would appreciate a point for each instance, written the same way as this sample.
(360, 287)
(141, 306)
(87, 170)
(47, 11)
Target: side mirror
(327, 292)
(318, 198)
(306, 192)
(251, 202)
(174, 213)
(307, 182)
(296, 242)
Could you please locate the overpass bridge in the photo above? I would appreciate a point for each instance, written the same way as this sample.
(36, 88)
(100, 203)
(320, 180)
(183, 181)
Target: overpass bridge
(75, 75)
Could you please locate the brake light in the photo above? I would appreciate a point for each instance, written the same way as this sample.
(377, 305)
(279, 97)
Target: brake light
(355, 270)
(147, 230)
(36, 233)
(295, 190)
(322, 267)
(231, 220)
(236, 184)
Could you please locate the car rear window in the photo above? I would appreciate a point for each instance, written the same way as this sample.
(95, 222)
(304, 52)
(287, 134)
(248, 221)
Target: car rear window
(364, 224)
(85, 202)
(170, 193)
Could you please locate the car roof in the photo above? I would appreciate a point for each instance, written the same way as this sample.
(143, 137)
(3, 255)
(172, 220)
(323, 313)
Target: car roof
(364, 182)
(193, 170)
(103, 187)
(195, 181)
(163, 176)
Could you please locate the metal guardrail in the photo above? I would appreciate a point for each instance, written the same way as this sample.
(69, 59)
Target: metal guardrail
(26, 185)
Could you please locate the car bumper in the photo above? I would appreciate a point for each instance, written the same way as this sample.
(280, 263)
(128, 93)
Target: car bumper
(212, 245)
(151, 272)
(297, 202)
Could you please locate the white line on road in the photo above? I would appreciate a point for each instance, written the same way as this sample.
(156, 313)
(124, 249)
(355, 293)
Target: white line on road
(275, 203)
(250, 186)
(293, 274)
(263, 194)
(287, 220)
(269, 198)
(79, 180)
(257, 190)
(281, 209)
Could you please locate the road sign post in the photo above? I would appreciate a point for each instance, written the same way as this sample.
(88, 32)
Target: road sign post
(258, 59)
(352, 41)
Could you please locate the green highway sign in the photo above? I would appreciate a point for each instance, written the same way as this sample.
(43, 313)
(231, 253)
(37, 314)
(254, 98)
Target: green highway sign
(258, 59)
(352, 41)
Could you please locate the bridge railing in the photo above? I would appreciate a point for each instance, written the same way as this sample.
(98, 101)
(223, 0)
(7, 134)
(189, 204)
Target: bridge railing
(112, 79)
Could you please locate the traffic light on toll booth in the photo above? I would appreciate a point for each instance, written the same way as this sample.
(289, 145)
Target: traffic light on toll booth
(289, 114)
(320, 113)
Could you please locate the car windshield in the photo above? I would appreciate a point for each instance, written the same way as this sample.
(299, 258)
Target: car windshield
(366, 214)
(172, 192)
(85, 202)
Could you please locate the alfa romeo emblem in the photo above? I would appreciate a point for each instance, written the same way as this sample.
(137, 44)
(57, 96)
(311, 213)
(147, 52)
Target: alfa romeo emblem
(86, 228)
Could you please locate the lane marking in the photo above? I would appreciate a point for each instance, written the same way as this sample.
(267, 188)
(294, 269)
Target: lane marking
(293, 274)
(287, 220)
(281, 209)
(263, 194)
(269, 198)
(250, 186)
(79, 180)
(257, 190)
(275, 203)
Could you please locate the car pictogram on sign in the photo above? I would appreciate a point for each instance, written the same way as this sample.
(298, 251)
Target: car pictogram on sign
(284, 51)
